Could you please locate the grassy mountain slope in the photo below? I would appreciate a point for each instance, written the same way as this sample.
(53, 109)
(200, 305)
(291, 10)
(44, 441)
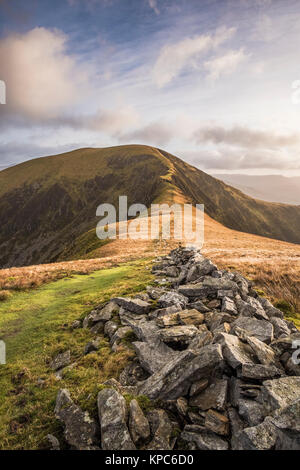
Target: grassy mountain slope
(48, 205)
(28, 386)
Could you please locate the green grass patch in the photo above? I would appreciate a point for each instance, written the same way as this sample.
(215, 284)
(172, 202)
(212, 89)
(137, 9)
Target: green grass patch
(36, 327)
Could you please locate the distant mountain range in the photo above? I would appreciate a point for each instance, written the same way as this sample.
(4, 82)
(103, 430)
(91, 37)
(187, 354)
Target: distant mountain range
(48, 205)
(272, 188)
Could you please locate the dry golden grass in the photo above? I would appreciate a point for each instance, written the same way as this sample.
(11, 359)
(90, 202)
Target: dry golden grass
(273, 265)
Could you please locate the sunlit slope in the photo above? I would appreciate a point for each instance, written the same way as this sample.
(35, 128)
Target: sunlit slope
(48, 205)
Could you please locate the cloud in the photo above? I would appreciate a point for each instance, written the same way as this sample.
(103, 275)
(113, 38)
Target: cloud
(155, 133)
(226, 158)
(41, 77)
(173, 58)
(225, 64)
(153, 5)
(244, 137)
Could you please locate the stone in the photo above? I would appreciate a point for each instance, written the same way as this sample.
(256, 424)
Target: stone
(110, 328)
(286, 344)
(236, 426)
(198, 387)
(133, 305)
(260, 329)
(207, 287)
(182, 406)
(112, 417)
(172, 298)
(53, 441)
(92, 346)
(153, 356)
(234, 351)
(97, 328)
(215, 303)
(88, 321)
(279, 393)
(202, 268)
(225, 293)
(171, 271)
(161, 312)
(204, 440)
(168, 320)
(161, 430)
(252, 308)
(262, 351)
(228, 306)
(203, 338)
(261, 437)
(217, 423)
(242, 283)
(145, 330)
(252, 412)
(191, 317)
(75, 325)
(132, 374)
(176, 377)
(138, 425)
(107, 312)
(288, 418)
(178, 336)
(259, 372)
(198, 305)
(214, 396)
(155, 292)
(120, 334)
(61, 360)
(280, 327)
(270, 310)
(81, 431)
(223, 328)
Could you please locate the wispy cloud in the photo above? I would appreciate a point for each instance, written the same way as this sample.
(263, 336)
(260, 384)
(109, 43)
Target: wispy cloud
(173, 58)
(244, 137)
(225, 64)
(154, 6)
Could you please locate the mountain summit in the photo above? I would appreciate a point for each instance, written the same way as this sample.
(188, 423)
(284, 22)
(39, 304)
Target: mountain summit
(48, 205)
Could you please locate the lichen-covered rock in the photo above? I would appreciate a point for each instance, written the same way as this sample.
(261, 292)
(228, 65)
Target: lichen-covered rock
(260, 329)
(161, 430)
(175, 378)
(61, 360)
(259, 372)
(279, 393)
(113, 417)
(133, 305)
(80, 430)
(203, 439)
(172, 298)
(138, 424)
(234, 351)
(217, 423)
(261, 437)
(178, 336)
(153, 356)
(214, 396)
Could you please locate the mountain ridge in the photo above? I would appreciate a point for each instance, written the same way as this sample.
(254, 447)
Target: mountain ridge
(48, 204)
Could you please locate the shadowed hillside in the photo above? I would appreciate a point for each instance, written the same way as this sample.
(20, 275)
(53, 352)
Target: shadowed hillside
(48, 205)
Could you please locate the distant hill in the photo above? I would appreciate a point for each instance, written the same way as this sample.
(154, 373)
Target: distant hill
(48, 205)
(272, 188)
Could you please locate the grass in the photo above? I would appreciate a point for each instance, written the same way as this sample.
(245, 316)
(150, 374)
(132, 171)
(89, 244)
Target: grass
(35, 325)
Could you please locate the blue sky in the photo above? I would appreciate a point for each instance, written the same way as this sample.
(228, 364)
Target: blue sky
(213, 81)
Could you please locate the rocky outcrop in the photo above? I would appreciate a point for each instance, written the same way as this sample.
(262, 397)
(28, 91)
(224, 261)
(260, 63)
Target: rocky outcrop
(214, 359)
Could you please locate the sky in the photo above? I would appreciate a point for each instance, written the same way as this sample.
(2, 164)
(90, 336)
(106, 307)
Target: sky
(215, 82)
